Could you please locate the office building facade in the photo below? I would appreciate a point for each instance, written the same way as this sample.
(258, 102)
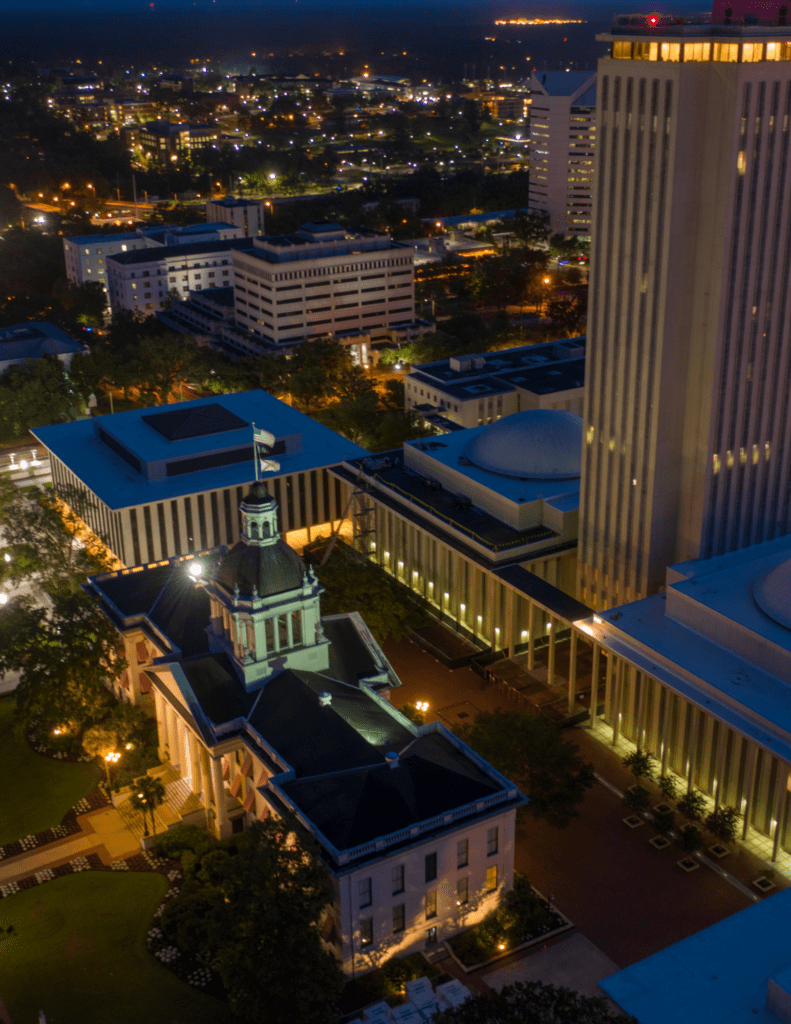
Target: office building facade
(246, 214)
(687, 431)
(562, 145)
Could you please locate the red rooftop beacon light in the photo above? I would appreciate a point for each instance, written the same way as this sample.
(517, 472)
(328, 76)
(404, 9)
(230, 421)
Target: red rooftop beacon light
(653, 20)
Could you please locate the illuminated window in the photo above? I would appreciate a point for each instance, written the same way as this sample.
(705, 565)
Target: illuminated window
(431, 902)
(697, 51)
(622, 51)
(752, 52)
(727, 52)
(645, 51)
(671, 52)
(491, 878)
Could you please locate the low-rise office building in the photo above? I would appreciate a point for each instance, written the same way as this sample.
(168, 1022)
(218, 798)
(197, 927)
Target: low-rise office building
(86, 255)
(481, 524)
(263, 706)
(165, 141)
(700, 674)
(246, 214)
(21, 342)
(322, 280)
(167, 481)
(473, 390)
(148, 279)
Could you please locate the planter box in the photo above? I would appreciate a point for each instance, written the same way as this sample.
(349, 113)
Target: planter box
(688, 864)
(662, 808)
(514, 949)
(719, 851)
(764, 884)
(659, 842)
(147, 842)
(633, 821)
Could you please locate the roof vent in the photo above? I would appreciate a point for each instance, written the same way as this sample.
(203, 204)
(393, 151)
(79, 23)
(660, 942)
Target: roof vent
(325, 698)
(392, 758)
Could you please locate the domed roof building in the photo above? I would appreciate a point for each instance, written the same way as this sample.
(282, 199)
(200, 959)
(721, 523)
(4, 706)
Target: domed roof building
(772, 593)
(538, 444)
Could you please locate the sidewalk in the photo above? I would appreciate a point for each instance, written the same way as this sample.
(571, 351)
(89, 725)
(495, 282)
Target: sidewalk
(103, 832)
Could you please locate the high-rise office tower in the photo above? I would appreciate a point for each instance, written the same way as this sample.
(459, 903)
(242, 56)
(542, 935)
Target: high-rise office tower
(687, 446)
(562, 139)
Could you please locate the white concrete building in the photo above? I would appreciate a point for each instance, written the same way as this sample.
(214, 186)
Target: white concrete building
(687, 432)
(562, 144)
(167, 481)
(245, 214)
(322, 280)
(86, 255)
(143, 280)
(262, 706)
(473, 390)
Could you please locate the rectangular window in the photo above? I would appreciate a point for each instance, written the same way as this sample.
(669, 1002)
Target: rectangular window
(149, 532)
(431, 935)
(431, 904)
(174, 515)
(364, 890)
(491, 878)
(399, 918)
(431, 867)
(492, 837)
(135, 536)
(671, 52)
(462, 891)
(397, 875)
(188, 517)
(163, 533)
(215, 516)
(366, 931)
(462, 853)
(204, 540)
(226, 497)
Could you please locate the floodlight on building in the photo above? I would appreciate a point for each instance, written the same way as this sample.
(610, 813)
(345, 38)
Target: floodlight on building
(195, 570)
(3, 598)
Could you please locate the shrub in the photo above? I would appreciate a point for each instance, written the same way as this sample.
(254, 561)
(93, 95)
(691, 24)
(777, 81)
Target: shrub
(469, 948)
(184, 919)
(641, 764)
(692, 805)
(184, 839)
(637, 799)
(689, 838)
(520, 908)
(723, 824)
(668, 785)
(399, 970)
(664, 821)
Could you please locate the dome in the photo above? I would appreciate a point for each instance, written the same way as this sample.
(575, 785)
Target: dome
(538, 444)
(271, 569)
(772, 593)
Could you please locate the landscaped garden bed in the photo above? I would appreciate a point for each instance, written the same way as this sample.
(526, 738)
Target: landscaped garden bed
(523, 917)
(387, 982)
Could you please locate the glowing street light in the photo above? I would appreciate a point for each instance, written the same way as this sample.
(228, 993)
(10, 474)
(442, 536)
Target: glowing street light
(110, 758)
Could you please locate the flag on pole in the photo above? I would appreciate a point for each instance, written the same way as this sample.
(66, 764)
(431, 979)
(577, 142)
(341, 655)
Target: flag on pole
(269, 466)
(263, 436)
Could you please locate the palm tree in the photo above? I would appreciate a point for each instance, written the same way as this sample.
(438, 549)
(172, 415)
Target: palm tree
(148, 795)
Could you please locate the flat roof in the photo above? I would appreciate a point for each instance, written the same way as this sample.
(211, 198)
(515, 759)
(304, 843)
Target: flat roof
(444, 505)
(724, 683)
(717, 976)
(163, 252)
(32, 340)
(500, 363)
(118, 485)
(126, 236)
(231, 202)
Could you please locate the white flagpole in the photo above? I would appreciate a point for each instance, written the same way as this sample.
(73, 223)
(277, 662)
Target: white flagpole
(255, 452)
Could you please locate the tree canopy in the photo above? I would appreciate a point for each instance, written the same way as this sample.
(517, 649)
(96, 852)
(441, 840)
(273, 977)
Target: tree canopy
(531, 751)
(254, 904)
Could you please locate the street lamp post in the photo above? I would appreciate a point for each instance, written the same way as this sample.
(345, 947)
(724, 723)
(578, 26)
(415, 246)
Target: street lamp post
(544, 293)
(111, 758)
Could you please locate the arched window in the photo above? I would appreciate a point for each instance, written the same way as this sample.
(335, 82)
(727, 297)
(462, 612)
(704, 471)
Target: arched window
(254, 530)
(265, 530)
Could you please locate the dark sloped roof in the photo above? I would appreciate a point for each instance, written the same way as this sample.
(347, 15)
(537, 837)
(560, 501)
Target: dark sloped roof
(272, 569)
(313, 739)
(350, 657)
(170, 599)
(356, 707)
(433, 778)
(219, 691)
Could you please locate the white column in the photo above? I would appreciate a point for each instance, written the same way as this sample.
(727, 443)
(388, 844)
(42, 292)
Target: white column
(162, 729)
(572, 670)
(221, 819)
(595, 683)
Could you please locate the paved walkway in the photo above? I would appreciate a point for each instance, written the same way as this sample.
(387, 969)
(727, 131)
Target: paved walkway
(574, 963)
(104, 832)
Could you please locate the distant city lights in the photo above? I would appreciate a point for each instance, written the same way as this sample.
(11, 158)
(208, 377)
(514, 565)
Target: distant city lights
(541, 21)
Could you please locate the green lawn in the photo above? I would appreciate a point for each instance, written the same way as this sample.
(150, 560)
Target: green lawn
(79, 954)
(38, 790)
